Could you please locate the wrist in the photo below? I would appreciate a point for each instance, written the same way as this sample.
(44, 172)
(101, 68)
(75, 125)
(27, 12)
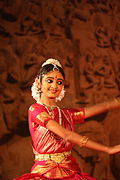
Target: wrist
(83, 141)
(108, 149)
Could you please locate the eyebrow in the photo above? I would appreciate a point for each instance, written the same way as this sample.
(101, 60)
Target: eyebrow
(54, 78)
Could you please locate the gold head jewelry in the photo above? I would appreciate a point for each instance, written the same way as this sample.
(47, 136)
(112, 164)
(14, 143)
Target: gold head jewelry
(52, 61)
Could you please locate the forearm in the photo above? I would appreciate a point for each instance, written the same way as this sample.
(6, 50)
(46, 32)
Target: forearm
(97, 146)
(83, 141)
(102, 107)
(78, 139)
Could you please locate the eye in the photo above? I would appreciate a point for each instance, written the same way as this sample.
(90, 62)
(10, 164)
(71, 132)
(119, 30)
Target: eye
(49, 81)
(59, 82)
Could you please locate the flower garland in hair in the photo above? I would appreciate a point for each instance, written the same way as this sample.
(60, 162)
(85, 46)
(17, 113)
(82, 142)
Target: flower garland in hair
(61, 95)
(36, 89)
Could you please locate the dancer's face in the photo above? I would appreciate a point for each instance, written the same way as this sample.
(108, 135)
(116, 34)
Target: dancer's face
(52, 84)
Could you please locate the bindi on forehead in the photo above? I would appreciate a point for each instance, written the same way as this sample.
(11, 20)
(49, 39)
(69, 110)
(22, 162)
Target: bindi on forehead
(58, 76)
(55, 75)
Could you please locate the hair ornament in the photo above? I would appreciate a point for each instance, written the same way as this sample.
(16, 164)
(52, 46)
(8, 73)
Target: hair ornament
(53, 62)
(36, 91)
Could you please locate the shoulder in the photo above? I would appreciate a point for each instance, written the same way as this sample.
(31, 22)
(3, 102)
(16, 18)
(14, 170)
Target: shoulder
(36, 107)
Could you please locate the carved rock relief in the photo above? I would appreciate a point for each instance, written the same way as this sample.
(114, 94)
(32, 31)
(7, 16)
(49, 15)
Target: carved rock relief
(85, 36)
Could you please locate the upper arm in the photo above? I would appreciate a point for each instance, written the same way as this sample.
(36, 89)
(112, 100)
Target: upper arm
(55, 127)
(38, 115)
(78, 115)
(41, 117)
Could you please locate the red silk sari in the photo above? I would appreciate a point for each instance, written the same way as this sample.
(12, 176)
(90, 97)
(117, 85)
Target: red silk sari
(46, 142)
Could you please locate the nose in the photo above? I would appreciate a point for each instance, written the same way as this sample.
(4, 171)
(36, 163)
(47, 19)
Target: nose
(54, 85)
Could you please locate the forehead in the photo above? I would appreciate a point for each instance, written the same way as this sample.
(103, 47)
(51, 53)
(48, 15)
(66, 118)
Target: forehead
(54, 74)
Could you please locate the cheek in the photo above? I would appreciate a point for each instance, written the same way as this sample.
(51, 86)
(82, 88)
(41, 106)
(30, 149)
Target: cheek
(60, 88)
(44, 85)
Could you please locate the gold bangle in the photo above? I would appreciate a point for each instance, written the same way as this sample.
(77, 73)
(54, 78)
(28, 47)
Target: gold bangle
(83, 141)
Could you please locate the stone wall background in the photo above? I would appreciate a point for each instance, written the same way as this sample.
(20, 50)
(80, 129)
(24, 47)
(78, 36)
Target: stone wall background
(85, 36)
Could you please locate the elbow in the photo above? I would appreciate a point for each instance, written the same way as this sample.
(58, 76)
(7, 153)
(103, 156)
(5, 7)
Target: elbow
(67, 136)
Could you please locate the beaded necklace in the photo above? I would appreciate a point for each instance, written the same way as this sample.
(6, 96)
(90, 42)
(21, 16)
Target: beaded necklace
(51, 108)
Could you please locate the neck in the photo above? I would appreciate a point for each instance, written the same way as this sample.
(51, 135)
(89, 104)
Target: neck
(48, 102)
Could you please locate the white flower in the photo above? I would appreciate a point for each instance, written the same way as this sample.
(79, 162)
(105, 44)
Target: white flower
(36, 90)
(61, 95)
(52, 61)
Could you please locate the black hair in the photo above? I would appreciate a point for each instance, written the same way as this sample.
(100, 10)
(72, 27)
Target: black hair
(47, 68)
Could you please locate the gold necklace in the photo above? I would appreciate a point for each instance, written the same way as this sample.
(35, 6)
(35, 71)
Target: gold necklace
(51, 108)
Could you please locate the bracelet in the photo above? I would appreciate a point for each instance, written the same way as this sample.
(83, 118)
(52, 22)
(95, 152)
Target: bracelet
(83, 141)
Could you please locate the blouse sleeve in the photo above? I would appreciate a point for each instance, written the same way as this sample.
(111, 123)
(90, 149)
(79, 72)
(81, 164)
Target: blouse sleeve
(39, 115)
(78, 115)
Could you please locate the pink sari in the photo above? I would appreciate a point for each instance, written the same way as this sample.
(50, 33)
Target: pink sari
(46, 142)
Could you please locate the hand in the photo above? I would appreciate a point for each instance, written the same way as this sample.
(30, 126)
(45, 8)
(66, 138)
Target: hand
(117, 99)
(113, 149)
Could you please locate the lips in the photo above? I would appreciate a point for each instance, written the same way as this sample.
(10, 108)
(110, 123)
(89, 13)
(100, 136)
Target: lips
(53, 91)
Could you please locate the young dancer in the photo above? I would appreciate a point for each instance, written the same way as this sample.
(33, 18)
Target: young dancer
(52, 128)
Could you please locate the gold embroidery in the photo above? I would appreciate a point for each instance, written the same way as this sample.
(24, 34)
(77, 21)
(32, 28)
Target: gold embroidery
(33, 125)
(31, 108)
(43, 116)
(50, 169)
(56, 157)
(79, 114)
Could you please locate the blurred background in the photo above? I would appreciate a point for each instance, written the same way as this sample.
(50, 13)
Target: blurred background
(85, 36)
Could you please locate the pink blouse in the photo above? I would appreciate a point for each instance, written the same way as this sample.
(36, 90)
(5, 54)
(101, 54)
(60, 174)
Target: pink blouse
(45, 141)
